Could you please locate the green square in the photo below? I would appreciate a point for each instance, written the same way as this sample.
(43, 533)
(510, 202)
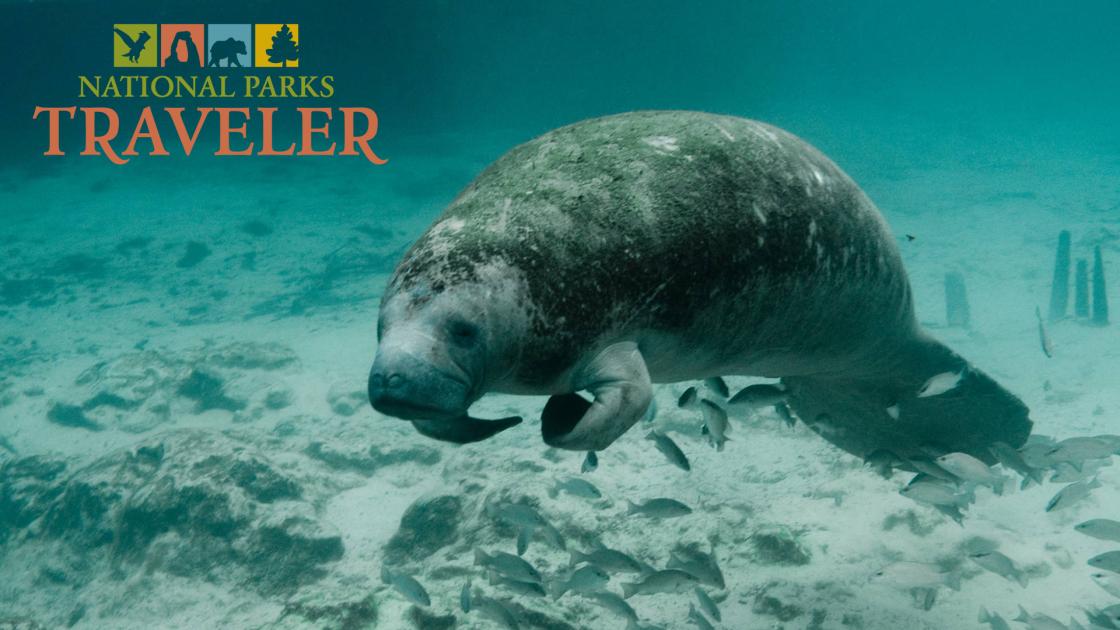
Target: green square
(134, 46)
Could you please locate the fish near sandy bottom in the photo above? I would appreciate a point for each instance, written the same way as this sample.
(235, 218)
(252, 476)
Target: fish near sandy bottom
(571, 264)
(1100, 528)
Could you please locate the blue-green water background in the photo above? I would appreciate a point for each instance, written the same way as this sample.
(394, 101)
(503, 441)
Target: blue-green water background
(982, 127)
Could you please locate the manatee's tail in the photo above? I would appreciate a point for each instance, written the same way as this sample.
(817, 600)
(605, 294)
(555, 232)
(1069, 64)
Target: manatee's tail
(929, 402)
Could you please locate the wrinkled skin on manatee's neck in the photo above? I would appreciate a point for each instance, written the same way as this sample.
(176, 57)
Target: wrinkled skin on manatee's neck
(717, 243)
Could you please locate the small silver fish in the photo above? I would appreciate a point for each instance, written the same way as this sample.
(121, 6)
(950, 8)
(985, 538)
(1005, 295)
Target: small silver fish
(971, 469)
(659, 508)
(407, 586)
(590, 462)
(1109, 561)
(1038, 621)
(586, 579)
(786, 414)
(1001, 565)
(1072, 494)
(1078, 449)
(532, 589)
(1100, 528)
(508, 565)
(1108, 581)
(826, 427)
(1065, 472)
(495, 610)
(932, 469)
(1035, 450)
(519, 514)
(1012, 459)
(993, 619)
(524, 537)
(883, 462)
(935, 492)
(707, 605)
(609, 559)
(759, 395)
(940, 383)
(700, 565)
(614, 604)
(689, 399)
(669, 449)
(666, 581)
(579, 487)
(952, 512)
(700, 620)
(715, 423)
(530, 521)
(717, 385)
(465, 597)
(1106, 618)
(1110, 438)
(917, 575)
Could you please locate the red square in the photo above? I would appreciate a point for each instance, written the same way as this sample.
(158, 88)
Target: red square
(181, 45)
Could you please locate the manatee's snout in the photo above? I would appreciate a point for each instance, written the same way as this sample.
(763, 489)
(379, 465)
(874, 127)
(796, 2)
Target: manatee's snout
(436, 403)
(431, 365)
(403, 386)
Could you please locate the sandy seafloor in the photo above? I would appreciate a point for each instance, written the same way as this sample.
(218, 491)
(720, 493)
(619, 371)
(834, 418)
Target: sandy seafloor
(306, 294)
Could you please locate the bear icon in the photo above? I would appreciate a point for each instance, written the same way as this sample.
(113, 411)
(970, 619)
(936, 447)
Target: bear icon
(227, 49)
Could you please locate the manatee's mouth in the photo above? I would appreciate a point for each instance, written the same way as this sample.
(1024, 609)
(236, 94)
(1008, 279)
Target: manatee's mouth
(411, 410)
(440, 424)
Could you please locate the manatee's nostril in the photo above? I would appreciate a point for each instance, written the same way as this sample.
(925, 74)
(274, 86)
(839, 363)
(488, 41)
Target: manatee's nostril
(395, 380)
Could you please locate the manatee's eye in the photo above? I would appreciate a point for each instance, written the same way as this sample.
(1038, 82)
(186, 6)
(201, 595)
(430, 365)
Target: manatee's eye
(464, 334)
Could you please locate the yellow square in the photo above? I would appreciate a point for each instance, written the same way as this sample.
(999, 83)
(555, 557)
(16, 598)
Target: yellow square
(276, 46)
(134, 46)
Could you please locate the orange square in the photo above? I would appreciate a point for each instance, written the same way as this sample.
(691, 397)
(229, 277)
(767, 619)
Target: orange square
(181, 45)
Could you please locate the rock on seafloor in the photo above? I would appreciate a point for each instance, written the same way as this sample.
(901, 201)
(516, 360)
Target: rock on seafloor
(200, 505)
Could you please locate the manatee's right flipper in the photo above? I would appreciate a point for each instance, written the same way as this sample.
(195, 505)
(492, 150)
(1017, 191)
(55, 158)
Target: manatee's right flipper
(618, 380)
(864, 414)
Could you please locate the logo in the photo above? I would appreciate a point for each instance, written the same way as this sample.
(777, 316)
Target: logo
(277, 46)
(210, 63)
(180, 45)
(133, 45)
(229, 45)
(188, 46)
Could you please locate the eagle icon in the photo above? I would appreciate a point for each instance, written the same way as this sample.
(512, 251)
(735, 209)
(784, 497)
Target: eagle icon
(135, 47)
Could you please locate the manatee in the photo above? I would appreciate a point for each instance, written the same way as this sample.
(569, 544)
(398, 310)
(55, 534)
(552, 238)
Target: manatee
(667, 246)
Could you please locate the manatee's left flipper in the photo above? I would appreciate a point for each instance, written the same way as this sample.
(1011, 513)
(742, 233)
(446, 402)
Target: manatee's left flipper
(890, 412)
(464, 429)
(618, 379)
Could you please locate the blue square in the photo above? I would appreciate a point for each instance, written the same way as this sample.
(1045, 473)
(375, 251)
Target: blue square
(229, 45)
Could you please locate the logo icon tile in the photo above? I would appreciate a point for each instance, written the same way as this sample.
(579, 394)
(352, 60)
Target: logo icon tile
(134, 46)
(181, 45)
(276, 46)
(229, 45)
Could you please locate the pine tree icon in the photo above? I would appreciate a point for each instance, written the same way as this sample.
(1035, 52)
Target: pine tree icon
(284, 48)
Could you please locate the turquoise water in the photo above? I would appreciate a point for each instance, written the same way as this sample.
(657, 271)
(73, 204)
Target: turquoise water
(186, 438)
